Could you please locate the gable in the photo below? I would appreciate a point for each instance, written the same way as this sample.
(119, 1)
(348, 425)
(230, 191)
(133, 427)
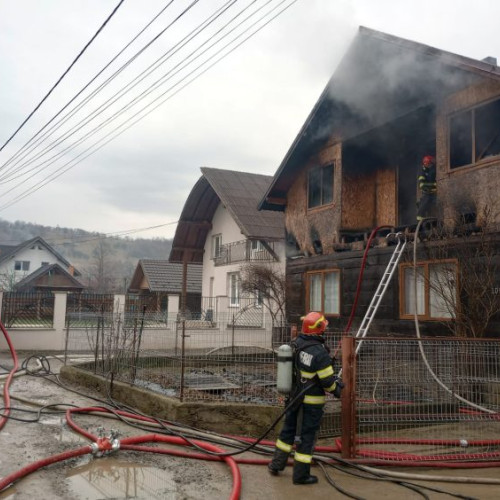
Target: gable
(240, 193)
(380, 79)
(52, 277)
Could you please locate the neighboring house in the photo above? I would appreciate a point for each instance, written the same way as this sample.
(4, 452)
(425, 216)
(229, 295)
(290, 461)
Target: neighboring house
(354, 167)
(221, 228)
(19, 262)
(158, 286)
(51, 277)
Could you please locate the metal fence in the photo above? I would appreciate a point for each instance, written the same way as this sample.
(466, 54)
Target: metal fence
(191, 359)
(28, 310)
(428, 400)
(405, 399)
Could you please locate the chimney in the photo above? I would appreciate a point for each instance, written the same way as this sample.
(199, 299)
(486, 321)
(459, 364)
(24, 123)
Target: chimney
(71, 270)
(490, 60)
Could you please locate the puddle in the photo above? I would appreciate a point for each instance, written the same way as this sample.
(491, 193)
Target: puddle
(112, 478)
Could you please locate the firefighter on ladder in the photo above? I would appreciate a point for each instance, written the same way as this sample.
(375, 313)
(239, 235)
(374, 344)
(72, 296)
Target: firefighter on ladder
(302, 420)
(427, 185)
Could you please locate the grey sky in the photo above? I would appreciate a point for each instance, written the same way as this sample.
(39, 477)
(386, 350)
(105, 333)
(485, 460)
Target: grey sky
(242, 114)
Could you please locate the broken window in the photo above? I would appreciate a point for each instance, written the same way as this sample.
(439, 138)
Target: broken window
(435, 294)
(320, 186)
(475, 134)
(324, 292)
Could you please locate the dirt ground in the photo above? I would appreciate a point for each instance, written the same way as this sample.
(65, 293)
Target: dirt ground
(151, 476)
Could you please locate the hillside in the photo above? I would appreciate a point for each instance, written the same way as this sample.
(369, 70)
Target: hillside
(91, 251)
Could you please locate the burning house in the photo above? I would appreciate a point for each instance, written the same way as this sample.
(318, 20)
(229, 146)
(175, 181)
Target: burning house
(354, 165)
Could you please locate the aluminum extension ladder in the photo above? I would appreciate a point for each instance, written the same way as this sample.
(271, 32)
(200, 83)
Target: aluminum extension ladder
(382, 287)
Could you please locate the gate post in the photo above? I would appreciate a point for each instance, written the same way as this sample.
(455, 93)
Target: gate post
(349, 419)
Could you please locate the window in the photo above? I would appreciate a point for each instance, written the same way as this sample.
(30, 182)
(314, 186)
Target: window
(22, 265)
(320, 186)
(258, 298)
(234, 289)
(474, 134)
(216, 246)
(45, 263)
(323, 292)
(436, 290)
(257, 251)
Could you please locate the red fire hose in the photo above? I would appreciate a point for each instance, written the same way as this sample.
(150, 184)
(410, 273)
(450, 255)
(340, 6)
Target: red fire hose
(6, 387)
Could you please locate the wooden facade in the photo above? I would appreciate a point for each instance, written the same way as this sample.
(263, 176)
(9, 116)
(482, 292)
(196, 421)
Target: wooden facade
(375, 135)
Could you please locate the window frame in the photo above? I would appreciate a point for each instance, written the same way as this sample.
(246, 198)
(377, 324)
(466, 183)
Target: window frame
(234, 300)
(472, 136)
(322, 203)
(322, 273)
(24, 265)
(426, 266)
(216, 245)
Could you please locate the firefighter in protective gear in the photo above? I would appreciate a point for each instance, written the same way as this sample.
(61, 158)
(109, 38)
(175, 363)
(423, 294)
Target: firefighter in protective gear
(302, 420)
(427, 186)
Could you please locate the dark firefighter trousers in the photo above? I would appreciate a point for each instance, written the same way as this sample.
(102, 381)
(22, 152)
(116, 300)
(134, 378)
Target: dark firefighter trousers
(309, 422)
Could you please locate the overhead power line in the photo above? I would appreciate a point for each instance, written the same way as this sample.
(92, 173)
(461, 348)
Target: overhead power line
(9, 174)
(116, 234)
(63, 75)
(31, 143)
(199, 70)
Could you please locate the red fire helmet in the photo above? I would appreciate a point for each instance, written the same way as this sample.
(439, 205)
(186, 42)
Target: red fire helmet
(428, 160)
(313, 323)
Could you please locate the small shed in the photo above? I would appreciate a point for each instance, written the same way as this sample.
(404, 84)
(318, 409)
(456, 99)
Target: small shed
(156, 281)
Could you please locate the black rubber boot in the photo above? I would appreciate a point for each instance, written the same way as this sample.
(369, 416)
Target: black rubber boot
(278, 463)
(301, 474)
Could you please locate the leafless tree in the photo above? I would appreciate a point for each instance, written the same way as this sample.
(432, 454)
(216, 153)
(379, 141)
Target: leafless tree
(8, 280)
(269, 283)
(102, 268)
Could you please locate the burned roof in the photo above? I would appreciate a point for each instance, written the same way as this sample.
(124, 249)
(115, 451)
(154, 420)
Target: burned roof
(165, 276)
(380, 78)
(240, 193)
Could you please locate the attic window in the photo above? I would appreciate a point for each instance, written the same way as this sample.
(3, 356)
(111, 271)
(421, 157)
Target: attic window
(475, 134)
(22, 265)
(320, 186)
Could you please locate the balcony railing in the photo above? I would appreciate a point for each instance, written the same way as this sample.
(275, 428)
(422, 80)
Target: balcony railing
(244, 251)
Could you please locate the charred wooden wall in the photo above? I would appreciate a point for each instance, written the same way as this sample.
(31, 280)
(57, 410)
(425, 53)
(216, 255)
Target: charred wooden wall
(480, 182)
(321, 223)
(387, 319)
(369, 200)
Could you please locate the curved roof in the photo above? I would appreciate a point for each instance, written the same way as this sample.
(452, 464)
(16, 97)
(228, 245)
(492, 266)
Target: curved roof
(240, 192)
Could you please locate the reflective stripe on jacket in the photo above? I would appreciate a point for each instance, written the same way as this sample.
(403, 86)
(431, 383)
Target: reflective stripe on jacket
(427, 180)
(315, 364)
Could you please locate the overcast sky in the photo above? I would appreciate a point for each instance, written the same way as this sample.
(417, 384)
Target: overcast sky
(241, 114)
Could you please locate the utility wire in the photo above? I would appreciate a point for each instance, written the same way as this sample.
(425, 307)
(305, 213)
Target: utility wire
(16, 155)
(61, 170)
(94, 93)
(86, 239)
(89, 117)
(63, 75)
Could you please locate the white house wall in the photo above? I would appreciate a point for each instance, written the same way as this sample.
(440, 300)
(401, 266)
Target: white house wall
(222, 223)
(35, 256)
